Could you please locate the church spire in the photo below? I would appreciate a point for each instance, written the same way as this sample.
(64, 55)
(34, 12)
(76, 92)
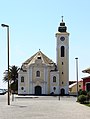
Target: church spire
(62, 27)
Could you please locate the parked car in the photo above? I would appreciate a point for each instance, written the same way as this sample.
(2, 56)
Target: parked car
(2, 91)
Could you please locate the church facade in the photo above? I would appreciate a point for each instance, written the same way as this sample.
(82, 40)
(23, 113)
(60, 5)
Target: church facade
(39, 75)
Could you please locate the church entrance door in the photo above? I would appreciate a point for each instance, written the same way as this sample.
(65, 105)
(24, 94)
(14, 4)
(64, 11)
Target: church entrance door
(38, 90)
(62, 92)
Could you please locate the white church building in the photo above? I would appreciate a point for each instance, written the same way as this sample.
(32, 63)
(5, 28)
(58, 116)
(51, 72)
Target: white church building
(39, 75)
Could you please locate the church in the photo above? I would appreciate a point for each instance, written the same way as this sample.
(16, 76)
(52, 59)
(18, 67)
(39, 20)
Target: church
(39, 75)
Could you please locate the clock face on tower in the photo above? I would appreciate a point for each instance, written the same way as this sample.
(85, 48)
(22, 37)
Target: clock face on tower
(62, 38)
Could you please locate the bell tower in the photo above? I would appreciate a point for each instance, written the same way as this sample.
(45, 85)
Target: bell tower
(62, 57)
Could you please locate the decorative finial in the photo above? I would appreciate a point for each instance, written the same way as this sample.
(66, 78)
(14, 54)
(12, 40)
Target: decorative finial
(62, 18)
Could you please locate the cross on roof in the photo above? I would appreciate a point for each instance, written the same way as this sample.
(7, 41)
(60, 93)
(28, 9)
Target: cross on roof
(62, 18)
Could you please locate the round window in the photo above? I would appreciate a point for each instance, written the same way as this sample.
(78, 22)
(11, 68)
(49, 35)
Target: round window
(22, 88)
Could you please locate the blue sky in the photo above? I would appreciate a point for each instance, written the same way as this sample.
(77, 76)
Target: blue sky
(33, 24)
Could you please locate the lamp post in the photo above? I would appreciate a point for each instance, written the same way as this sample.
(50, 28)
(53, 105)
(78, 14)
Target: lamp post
(59, 90)
(77, 74)
(4, 25)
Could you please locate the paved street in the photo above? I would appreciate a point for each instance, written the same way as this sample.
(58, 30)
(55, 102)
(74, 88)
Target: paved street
(33, 107)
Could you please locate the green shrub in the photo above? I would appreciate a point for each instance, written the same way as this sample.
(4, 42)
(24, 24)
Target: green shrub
(82, 99)
(79, 92)
(82, 92)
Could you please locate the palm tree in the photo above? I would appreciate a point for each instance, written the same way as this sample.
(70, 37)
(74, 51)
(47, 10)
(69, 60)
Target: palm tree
(13, 74)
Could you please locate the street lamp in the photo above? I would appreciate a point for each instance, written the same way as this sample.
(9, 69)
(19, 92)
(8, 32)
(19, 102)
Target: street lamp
(59, 89)
(77, 74)
(4, 25)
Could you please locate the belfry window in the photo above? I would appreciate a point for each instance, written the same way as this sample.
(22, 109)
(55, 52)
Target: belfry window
(38, 74)
(22, 79)
(54, 79)
(62, 51)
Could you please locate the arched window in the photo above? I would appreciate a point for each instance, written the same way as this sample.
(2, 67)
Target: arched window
(62, 72)
(54, 79)
(22, 79)
(38, 74)
(62, 82)
(62, 51)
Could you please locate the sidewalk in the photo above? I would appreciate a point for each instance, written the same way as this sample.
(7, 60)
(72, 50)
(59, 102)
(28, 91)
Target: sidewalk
(44, 108)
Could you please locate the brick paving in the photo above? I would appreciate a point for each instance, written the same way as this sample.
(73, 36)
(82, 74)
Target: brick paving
(32, 107)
